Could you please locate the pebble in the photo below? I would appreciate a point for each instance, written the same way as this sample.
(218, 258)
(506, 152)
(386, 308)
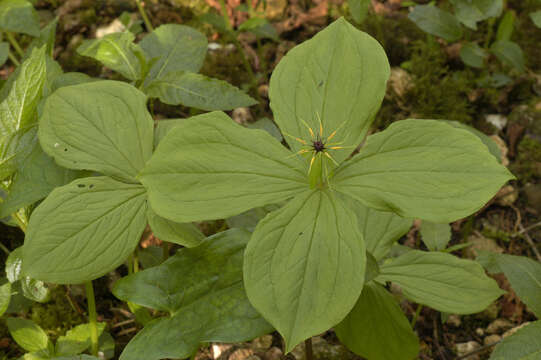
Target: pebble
(491, 339)
(467, 347)
(498, 326)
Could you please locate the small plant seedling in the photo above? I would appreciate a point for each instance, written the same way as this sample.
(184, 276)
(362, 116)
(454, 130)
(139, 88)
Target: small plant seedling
(305, 264)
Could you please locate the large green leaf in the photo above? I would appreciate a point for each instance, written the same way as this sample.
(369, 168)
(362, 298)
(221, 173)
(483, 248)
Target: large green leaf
(176, 47)
(377, 329)
(525, 344)
(36, 178)
(18, 111)
(14, 265)
(509, 53)
(469, 12)
(76, 340)
(198, 91)
(208, 167)
(380, 229)
(523, 273)
(5, 297)
(304, 266)
(187, 235)
(19, 16)
(423, 169)
(28, 335)
(436, 22)
(435, 236)
(102, 126)
(84, 230)
(116, 51)
(441, 281)
(340, 76)
(203, 288)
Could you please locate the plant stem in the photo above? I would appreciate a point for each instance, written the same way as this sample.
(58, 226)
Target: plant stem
(490, 32)
(4, 248)
(15, 44)
(20, 221)
(416, 316)
(144, 15)
(225, 16)
(92, 317)
(308, 349)
(135, 263)
(13, 59)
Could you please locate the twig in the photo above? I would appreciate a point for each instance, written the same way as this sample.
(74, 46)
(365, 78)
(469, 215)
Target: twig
(14, 43)
(122, 323)
(525, 229)
(127, 331)
(530, 241)
(482, 348)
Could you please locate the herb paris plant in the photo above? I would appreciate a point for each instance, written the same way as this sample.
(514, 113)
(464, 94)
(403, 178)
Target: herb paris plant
(304, 266)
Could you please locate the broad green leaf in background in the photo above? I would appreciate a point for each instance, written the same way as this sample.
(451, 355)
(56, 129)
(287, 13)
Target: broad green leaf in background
(198, 91)
(536, 18)
(469, 12)
(4, 52)
(525, 344)
(177, 47)
(380, 229)
(506, 26)
(359, 9)
(435, 236)
(19, 16)
(102, 126)
(84, 230)
(28, 335)
(524, 275)
(249, 219)
(18, 110)
(436, 22)
(509, 53)
(5, 297)
(187, 235)
(35, 290)
(14, 265)
(304, 266)
(473, 55)
(422, 169)
(76, 340)
(117, 52)
(441, 281)
(260, 27)
(203, 289)
(150, 256)
(268, 125)
(36, 178)
(377, 329)
(253, 169)
(320, 78)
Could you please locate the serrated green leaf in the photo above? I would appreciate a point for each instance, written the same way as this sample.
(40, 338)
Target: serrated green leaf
(198, 91)
(509, 53)
(473, 55)
(339, 76)
(525, 344)
(117, 52)
(203, 288)
(84, 230)
(435, 236)
(177, 47)
(380, 229)
(441, 281)
(185, 170)
(114, 137)
(14, 265)
(5, 297)
(28, 335)
(187, 235)
(36, 178)
(470, 12)
(359, 9)
(377, 329)
(76, 340)
(304, 266)
(436, 22)
(536, 18)
(423, 169)
(19, 16)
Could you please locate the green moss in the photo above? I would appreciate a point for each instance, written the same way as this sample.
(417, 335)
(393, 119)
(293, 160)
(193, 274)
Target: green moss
(527, 165)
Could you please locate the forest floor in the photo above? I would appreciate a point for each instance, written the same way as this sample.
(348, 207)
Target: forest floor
(428, 81)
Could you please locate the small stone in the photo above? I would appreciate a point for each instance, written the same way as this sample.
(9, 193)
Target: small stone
(262, 343)
(507, 195)
(466, 348)
(219, 349)
(242, 354)
(490, 313)
(263, 90)
(498, 326)
(242, 115)
(481, 243)
(497, 120)
(114, 27)
(400, 81)
(480, 331)
(514, 330)
(273, 353)
(504, 150)
(454, 320)
(492, 339)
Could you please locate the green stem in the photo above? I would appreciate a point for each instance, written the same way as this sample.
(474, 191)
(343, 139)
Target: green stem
(15, 44)
(13, 59)
(20, 221)
(92, 317)
(490, 32)
(224, 15)
(5, 249)
(135, 263)
(144, 15)
(416, 316)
